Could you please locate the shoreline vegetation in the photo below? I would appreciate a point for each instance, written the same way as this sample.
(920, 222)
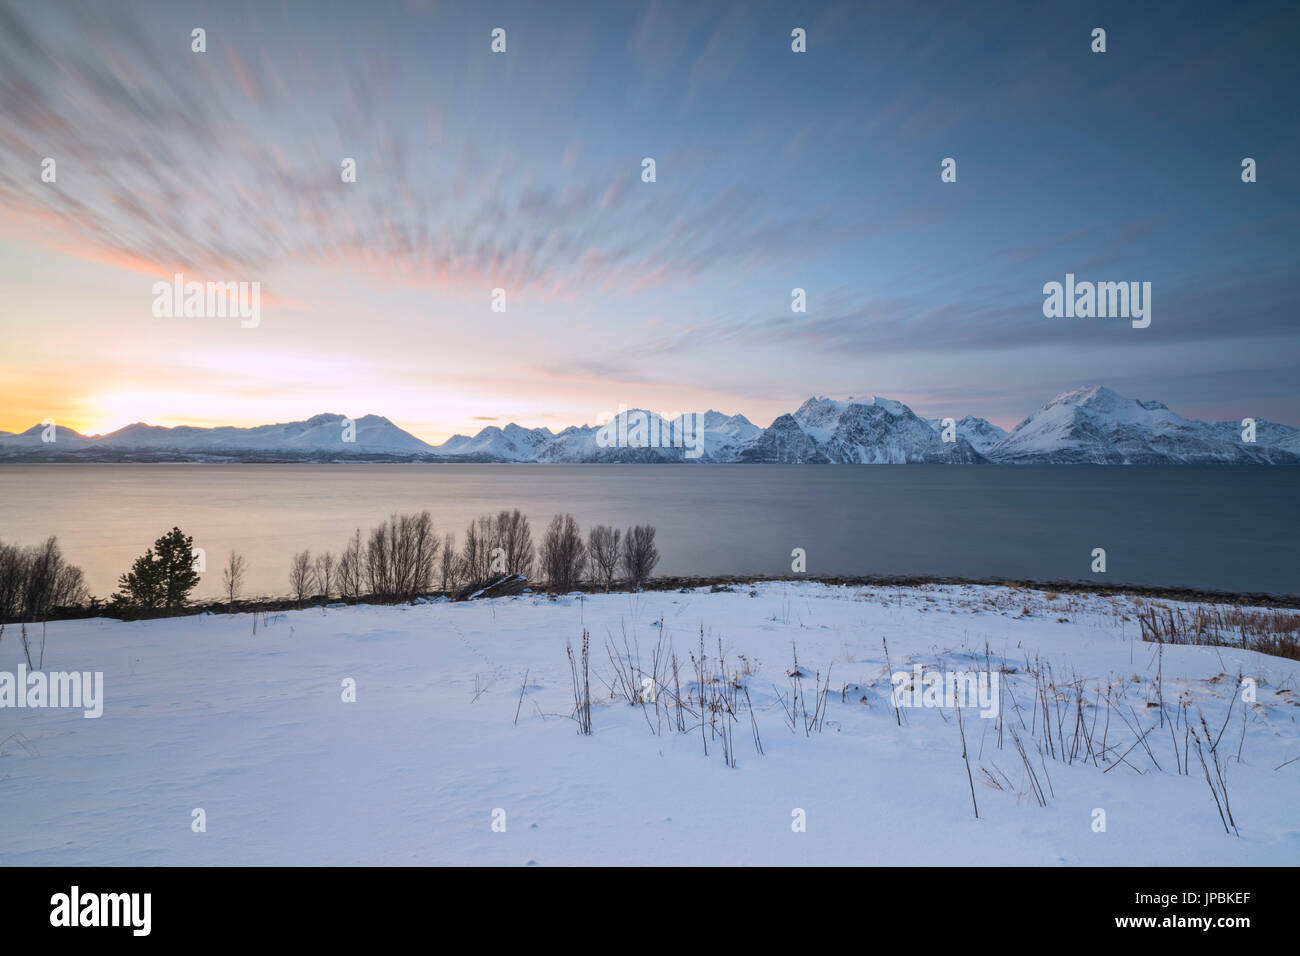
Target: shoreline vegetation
(404, 560)
(722, 582)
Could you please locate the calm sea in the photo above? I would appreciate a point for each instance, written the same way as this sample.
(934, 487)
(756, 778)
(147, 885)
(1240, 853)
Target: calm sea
(1232, 529)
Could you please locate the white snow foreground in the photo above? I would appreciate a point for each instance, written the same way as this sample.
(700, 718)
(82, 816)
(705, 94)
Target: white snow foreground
(253, 729)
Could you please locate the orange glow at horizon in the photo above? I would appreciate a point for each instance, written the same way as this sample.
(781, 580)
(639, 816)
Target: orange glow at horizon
(107, 412)
(432, 418)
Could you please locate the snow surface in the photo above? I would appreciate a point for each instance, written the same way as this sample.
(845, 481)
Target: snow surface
(202, 712)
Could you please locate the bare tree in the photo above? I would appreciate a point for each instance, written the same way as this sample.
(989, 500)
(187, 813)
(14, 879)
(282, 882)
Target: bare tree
(50, 581)
(302, 576)
(603, 551)
(12, 574)
(450, 567)
(350, 573)
(564, 556)
(232, 576)
(70, 587)
(639, 554)
(42, 570)
(514, 536)
(36, 580)
(400, 557)
(476, 556)
(325, 573)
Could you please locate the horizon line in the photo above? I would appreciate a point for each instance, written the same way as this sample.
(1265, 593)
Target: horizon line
(623, 409)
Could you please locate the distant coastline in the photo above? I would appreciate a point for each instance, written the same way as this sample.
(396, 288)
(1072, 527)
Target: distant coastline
(1092, 425)
(738, 582)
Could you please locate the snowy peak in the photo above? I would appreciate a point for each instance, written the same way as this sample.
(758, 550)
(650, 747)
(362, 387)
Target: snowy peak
(1098, 396)
(322, 437)
(820, 406)
(981, 433)
(786, 442)
(633, 436)
(512, 443)
(875, 431)
(1098, 400)
(1099, 426)
(44, 438)
(735, 425)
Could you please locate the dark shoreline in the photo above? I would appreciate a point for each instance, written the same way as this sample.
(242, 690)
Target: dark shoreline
(1188, 595)
(677, 583)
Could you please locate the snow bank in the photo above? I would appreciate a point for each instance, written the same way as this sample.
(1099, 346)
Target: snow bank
(252, 727)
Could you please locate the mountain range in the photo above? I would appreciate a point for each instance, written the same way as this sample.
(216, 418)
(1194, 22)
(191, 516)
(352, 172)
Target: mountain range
(1092, 425)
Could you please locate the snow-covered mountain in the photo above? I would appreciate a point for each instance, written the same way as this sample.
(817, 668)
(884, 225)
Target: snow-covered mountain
(580, 444)
(726, 435)
(981, 433)
(512, 443)
(37, 438)
(875, 431)
(321, 437)
(1089, 425)
(1099, 426)
(637, 436)
(784, 442)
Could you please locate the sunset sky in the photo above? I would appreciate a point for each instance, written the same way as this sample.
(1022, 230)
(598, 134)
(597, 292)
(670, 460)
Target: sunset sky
(522, 170)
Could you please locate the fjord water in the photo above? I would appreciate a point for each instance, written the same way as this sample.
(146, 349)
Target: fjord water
(1225, 528)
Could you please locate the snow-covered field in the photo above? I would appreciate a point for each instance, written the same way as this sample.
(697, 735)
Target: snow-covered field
(202, 712)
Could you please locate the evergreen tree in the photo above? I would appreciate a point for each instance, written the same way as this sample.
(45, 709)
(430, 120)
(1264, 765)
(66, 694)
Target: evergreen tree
(142, 586)
(164, 575)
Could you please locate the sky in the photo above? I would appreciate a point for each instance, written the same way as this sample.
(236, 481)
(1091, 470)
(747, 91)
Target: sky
(522, 171)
